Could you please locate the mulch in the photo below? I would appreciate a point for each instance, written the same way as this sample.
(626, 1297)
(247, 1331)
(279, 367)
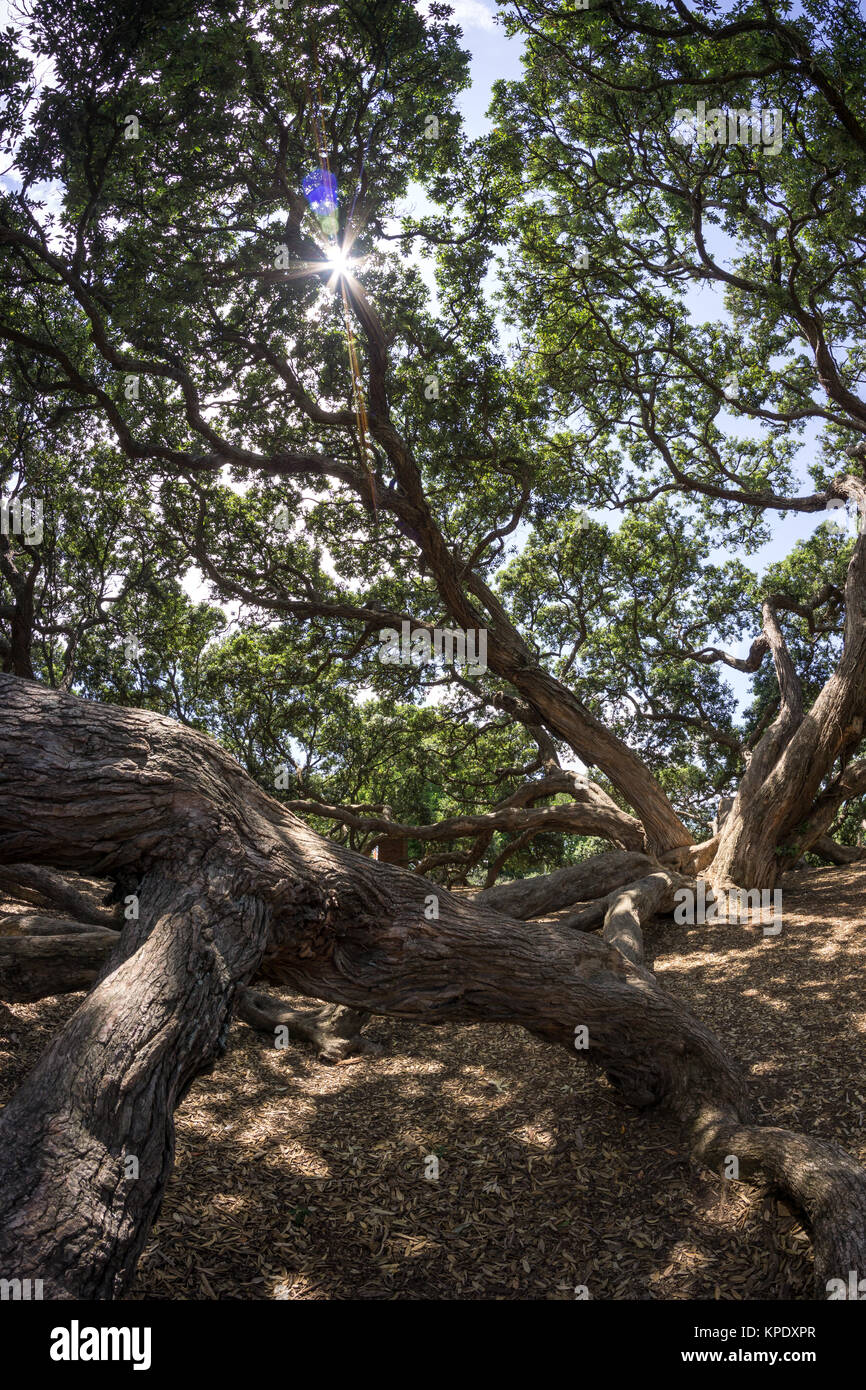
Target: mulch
(294, 1179)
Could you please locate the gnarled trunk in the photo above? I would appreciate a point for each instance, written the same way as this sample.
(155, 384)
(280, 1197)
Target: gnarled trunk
(334, 1030)
(230, 883)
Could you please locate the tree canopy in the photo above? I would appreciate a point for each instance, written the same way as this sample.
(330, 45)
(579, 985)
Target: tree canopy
(638, 344)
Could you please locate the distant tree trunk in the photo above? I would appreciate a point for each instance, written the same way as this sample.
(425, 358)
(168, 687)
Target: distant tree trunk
(394, 849)
(16, 653)
(779, 799)
(545, 893)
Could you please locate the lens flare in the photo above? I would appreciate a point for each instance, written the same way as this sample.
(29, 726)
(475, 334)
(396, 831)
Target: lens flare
(339, 258)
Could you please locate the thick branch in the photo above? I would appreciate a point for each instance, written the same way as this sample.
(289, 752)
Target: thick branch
(25, 880)
(546, 893)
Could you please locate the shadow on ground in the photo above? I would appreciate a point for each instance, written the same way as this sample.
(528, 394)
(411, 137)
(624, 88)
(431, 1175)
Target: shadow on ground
(297, 1180)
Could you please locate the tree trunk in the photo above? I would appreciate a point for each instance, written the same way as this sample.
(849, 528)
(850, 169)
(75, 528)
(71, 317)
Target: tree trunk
(88, 1139)
(545, 893)
(778, 799)
(467, 596)
(567, 718)
(36, 967)
(231, 882)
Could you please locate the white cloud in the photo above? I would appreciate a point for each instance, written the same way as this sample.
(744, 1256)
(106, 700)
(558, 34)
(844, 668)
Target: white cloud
(469, 14)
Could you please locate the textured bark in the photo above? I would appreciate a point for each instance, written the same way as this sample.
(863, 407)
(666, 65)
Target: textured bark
(40, 924)
(623, 912)
(691, 859)
(333, 1030)
(819, 1177)
(836, 853)
(34, 967)
(546, 893)
(88, 1140)
(20, 572)
(634, 905)
(230, 883)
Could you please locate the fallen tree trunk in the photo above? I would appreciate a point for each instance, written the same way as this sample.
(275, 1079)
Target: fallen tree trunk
(36, 967)
(622, 913)
(232, 883)
(546, 893)
(39, 924)
(836, 853)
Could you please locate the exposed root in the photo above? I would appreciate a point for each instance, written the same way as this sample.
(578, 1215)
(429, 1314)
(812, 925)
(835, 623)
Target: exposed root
(334, 1030)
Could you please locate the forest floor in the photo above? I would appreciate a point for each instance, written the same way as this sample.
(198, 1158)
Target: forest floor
(294, 1179)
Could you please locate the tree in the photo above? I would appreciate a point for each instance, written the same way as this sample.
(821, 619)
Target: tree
(259, 393)
(232, 884)
(685, 151)
(236, 297)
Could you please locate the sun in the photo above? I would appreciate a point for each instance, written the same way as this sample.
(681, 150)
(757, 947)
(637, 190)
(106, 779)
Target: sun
(340, 259)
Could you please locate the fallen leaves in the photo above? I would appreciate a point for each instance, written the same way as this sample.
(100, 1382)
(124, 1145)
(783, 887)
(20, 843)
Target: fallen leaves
(299, 1181)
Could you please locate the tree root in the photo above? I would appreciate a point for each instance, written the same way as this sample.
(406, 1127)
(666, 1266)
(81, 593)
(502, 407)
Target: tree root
(334, 1030)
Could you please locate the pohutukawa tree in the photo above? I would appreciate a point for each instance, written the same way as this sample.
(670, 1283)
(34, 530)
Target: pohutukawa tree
(263, 449)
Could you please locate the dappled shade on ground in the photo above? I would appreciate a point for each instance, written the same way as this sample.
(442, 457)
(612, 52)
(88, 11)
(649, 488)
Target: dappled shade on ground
(298, 1180)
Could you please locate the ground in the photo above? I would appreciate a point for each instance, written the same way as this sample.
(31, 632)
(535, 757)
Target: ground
(299, 1180)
